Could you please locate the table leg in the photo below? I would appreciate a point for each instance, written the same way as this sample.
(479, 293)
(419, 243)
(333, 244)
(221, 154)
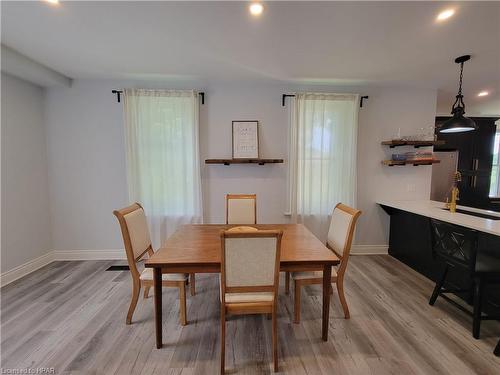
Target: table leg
(158, 303)
(327, 284)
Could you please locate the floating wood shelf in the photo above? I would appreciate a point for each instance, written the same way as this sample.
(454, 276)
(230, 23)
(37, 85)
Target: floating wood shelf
(416, 144)
(392, 163)
(243, 161)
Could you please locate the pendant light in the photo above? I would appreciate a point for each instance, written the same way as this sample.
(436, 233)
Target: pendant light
(459, 123)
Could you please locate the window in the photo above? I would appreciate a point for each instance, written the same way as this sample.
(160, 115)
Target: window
(322, 160)
(495, 170)
(163, 171)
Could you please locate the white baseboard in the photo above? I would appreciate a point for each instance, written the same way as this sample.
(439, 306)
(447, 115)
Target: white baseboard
(26, 268)
(117, 254)
(369, 249)
(55, 255)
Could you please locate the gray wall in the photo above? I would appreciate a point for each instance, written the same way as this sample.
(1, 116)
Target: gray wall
(25, 197)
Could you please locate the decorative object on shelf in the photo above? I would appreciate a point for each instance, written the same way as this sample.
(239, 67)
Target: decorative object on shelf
(398, 157)
(243, 161)
(415, 158)
(392, 163)
(245, 139)
(459, 123)
(419, 156)
(418, 143)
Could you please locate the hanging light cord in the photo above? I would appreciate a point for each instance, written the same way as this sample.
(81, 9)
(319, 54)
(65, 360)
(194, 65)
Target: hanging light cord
(461, 77)
(459, 103)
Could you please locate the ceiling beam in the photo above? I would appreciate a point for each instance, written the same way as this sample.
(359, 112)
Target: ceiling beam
(23, 67)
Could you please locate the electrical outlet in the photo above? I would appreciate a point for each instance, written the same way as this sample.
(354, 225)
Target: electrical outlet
(410, 188)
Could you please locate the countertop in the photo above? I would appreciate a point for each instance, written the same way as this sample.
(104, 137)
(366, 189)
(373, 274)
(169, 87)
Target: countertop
(434, 209)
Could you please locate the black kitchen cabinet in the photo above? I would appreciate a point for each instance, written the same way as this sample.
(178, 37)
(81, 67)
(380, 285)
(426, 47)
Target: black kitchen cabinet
(410, 242)
(475, 156)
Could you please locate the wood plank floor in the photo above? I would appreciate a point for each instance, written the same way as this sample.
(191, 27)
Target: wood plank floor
(70, 316)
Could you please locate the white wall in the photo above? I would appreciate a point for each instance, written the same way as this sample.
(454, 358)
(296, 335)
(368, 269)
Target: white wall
(385, 112)
(87, 166)
(25, 196)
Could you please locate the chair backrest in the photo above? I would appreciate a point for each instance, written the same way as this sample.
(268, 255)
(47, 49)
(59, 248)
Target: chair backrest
(250, 261)
(241, 209)
(455, 244)
(341, 232)
(135, 233)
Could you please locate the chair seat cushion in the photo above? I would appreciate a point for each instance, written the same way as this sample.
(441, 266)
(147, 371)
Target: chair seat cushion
(147, 275)
(242, 229)
(311, 275)
(487, 263)
(249, 297)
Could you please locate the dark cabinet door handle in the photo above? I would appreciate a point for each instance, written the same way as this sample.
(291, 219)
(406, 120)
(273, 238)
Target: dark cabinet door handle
(473, 181)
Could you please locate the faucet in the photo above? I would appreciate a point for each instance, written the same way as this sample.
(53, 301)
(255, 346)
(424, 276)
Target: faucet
(452, 206)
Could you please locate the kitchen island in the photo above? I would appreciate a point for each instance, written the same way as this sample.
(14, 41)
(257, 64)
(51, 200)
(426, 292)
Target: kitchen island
(410, 240)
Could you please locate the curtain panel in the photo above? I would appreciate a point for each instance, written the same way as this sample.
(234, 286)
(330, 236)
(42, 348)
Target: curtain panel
(163, 166)
(322, 157)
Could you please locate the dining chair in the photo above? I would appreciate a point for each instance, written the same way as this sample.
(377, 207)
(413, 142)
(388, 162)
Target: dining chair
(250, 261)
(339, 240)
(136, 239)
(241, 209)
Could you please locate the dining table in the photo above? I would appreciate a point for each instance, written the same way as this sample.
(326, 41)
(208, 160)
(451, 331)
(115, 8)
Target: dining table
(196, 248)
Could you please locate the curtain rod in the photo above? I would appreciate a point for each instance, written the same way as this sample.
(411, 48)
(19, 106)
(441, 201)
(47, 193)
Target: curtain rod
(120, 92)
(284, 96)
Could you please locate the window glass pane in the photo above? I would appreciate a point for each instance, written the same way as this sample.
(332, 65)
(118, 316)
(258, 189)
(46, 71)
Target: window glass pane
(495, 170)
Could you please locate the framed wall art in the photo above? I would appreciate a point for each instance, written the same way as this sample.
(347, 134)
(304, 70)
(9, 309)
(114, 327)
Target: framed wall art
(245, 139)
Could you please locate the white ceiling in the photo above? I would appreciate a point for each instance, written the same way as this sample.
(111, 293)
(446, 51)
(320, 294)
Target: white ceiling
(369, 43)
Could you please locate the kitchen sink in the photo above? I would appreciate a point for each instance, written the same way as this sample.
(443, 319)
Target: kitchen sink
(478, 214)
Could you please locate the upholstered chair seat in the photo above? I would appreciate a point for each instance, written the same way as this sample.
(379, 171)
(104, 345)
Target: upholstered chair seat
(242, 229)
(312, 275)
(147, 274)
(249, 297)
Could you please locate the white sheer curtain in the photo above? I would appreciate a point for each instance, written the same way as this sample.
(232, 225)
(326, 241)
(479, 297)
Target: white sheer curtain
(322, 160)
(163, 167)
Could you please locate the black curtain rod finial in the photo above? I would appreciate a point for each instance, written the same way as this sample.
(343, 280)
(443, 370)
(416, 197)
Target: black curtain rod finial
(284, 96)
(118, 94)
(361, 100)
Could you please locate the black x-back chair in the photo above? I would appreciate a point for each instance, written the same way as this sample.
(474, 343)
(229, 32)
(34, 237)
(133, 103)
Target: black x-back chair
(457, 247)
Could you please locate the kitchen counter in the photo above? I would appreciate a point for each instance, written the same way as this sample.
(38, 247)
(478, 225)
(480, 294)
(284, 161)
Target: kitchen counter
(434, 209)
(410, 241)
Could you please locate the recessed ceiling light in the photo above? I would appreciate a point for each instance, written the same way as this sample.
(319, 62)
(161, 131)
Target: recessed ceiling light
(53, 2)
(445, 14)
(483, 93)
(256, 9)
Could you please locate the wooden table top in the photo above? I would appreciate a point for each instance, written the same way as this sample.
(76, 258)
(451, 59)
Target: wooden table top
(199, 245)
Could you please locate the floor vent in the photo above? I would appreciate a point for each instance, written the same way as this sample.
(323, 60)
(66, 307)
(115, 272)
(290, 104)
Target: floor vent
(118, 268)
